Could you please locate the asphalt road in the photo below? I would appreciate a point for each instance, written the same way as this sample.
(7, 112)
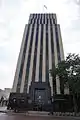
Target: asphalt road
(23, 117)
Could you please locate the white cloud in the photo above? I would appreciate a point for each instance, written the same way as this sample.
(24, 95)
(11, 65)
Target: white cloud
(13, 17)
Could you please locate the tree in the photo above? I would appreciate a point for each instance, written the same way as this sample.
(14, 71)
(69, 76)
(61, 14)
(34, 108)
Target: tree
(69, 74)
(74, 76)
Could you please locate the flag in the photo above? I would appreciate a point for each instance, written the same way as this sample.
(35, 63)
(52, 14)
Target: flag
(45, 6)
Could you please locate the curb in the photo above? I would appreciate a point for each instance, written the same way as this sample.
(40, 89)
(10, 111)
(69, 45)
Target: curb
(45, 115)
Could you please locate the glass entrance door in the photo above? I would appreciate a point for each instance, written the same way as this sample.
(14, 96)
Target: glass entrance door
(40, 96)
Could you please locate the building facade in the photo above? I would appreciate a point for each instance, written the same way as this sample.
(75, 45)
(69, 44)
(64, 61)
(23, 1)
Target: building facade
(41, 50)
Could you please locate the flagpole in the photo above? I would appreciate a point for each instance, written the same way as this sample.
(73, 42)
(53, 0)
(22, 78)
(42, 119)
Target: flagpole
(45, 9)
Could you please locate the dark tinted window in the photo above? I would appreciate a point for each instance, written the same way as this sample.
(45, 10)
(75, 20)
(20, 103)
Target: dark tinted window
(29, 59)
(47, 21)
(41, 51)
(47, 61)
(23, 58)
(35, 54)
(50, 21)
(53, 58)
(57, 41)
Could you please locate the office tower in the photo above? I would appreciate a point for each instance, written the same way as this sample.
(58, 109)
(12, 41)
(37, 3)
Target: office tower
(41, 50)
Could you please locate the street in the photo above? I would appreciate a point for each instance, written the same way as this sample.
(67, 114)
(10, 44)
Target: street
(4, 116)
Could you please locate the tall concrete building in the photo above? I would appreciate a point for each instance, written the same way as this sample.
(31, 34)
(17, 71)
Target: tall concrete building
(41, 50)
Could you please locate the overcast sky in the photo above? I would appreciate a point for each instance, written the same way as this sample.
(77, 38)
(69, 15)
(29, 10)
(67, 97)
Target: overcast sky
(14, 15)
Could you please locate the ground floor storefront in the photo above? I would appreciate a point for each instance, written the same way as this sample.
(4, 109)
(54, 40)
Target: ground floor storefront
(39, 98)
(60, 103)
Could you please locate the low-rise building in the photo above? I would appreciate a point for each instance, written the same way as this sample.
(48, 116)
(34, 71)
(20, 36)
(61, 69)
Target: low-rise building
(5, 93)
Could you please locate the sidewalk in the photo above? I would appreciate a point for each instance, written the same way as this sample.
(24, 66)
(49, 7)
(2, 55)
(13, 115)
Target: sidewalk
(43, 114)
(39, 113)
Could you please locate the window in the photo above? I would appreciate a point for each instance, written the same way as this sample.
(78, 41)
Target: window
(37, 21)
(35, 55)
(50, 21)
(54, 21)
(53, 59)
(33, 15)
(23, 58)
(41, 51)
(57, 41)
(44, 21)
(47, 21)
(29, 57)
(52, 44)
(47, 61)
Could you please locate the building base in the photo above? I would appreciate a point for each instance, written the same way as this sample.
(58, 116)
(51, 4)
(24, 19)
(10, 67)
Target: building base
(39, 98)
(61, 103)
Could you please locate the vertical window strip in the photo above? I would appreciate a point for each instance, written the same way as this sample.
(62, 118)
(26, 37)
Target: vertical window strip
(47, 59)
(34, 21)
(41, 18)
(23, 58)
(47, 21)
(35, 55)
(37, 21)
(41, 51)
(50, 21)
(28, 62)
(57, 41)
(53, 20)
(58, 54)
(44, 19)
(53, 61)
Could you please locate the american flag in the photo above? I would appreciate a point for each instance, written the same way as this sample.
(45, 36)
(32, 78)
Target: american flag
(45, 6)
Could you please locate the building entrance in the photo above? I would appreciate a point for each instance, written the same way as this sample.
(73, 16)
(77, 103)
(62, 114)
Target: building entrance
(40, 96)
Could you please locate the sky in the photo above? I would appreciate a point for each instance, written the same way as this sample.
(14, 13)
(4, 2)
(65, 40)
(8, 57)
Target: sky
(14, 14)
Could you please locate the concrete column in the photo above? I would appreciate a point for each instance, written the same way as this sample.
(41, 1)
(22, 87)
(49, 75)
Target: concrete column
(52, 21)
(32, 20)
(66, 89)
(42, 19)
(56, 60)
(19, 62)
(36, 21)
(32, 58)
(50, 59)
(45, 20)
(40, 16)
(38, 55)
(55, 18)
(39, 21)
(60, 43)
(25, 62)
(44, 55)
(48, 21)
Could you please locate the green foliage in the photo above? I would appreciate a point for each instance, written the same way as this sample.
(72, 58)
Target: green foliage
(69, 72)
(74, 72)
